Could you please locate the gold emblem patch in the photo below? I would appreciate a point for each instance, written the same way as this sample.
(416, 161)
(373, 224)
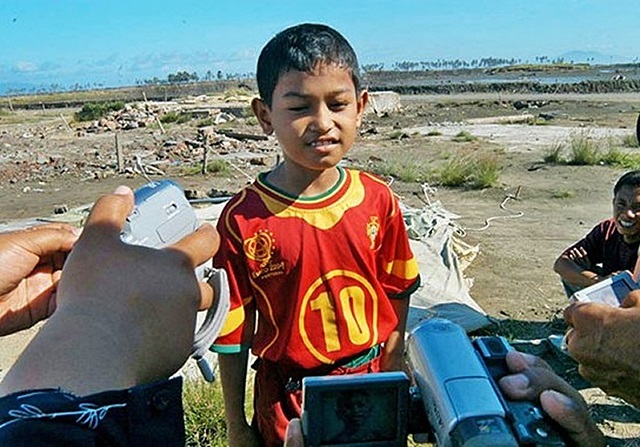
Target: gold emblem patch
(373, 228)
(260, 247)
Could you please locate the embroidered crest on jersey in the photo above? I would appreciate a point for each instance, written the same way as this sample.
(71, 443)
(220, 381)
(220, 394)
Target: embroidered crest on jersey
(373, 228)
(260, 248)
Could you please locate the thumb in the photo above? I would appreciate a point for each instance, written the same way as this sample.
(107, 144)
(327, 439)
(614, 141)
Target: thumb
(576, 422)
(111, 210)
(631, 300)
(293, 436)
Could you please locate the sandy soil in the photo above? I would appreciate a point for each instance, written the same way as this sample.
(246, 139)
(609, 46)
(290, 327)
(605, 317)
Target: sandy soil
(44, 165)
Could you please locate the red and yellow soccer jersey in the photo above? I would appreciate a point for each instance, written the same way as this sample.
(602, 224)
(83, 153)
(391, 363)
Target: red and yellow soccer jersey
(318, 271)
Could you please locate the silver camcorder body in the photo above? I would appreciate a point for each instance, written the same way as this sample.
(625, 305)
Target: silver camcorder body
(454, 399)
(161, 216)
(457, 379)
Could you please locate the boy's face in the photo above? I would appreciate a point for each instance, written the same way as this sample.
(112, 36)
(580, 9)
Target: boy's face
(626, 212)
(315, 116)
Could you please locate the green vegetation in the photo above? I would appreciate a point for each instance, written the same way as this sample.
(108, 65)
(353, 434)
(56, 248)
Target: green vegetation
(215, 166)
(476, 172)
(434, 133)
(403, 170)
(455, 172)
(630, 141)
(175, 117)
(486, 172)
(553, 154)
(93, 110)
(586, 151)
(219, 166)
(204, 414)
(562, 194)
(205, 122)
(556, 65)
(252, 121)
(464, 136)
(397, 135)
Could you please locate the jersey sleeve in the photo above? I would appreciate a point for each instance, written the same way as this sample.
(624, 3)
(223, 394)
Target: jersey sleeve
(237, 333)
(400, 275)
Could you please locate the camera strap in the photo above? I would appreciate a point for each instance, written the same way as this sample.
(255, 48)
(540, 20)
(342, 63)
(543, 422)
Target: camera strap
(213, 322)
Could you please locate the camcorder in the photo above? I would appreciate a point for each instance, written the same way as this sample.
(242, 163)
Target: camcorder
(453, 398)
(611, 290)
(161, 216)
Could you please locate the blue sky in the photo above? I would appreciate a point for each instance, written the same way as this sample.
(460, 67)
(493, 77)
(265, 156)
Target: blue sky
(117, 42)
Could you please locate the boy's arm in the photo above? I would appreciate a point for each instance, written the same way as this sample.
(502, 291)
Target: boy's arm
(392, 358)
(233, 374)
(572, 267)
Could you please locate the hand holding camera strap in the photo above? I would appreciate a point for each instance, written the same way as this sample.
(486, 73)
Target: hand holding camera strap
(215, 318)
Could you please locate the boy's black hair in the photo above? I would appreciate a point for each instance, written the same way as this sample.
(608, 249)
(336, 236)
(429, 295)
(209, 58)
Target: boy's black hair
(631, 178)
(301, 48)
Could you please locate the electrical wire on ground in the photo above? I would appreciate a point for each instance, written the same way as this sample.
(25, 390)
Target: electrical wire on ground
(488, 220)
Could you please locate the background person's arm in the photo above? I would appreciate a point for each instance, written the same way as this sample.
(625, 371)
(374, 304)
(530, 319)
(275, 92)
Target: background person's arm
(31, 262)
(571, 268)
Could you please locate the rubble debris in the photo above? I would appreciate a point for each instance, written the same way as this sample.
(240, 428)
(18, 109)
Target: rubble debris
(243, 136)
(384, 102)
(61, 209)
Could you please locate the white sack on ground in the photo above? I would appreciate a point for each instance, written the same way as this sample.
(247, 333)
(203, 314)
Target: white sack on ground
(442, 257)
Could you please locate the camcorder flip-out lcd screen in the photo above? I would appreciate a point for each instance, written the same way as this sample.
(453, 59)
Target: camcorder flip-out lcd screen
(609, 291)
(368, 410)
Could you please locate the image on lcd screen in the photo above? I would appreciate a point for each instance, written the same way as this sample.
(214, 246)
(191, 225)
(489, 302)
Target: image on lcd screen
(359, 415)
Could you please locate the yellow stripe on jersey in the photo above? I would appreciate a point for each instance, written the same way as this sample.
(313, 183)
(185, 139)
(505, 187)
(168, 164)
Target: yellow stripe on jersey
(322, 218)
(235, 318)
(227, 215)
(403, 269)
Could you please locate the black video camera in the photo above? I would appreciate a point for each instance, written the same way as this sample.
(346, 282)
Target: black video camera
(455, 387)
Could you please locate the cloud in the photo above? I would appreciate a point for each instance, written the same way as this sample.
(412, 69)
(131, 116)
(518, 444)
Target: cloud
(116, 69)
(25, 67)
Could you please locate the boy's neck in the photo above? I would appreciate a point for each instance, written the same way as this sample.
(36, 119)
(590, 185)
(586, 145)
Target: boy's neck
(303, 183)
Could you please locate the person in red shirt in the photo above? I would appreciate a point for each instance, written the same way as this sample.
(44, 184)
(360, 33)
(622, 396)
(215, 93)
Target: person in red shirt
(319, 264)
(611, 246)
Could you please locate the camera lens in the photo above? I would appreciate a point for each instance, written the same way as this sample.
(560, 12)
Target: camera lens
(496, 347)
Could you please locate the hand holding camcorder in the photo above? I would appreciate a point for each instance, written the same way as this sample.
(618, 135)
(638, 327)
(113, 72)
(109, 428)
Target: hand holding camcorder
(162, 216)
(455, 386)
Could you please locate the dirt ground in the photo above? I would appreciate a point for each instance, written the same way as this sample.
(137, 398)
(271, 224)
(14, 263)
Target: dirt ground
(520, 225)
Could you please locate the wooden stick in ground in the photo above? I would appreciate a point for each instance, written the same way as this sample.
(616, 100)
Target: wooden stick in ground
(118, 155)
(65, 123)
(205, 156)
(160, 124)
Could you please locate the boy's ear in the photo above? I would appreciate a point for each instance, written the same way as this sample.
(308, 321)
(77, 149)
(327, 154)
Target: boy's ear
(262, 111)
(363, 100)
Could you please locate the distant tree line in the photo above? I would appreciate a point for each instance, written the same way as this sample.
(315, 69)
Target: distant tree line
(458, 64)
(184, 77)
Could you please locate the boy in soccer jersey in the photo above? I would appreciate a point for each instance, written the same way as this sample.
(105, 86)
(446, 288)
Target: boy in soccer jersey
(319, 263)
